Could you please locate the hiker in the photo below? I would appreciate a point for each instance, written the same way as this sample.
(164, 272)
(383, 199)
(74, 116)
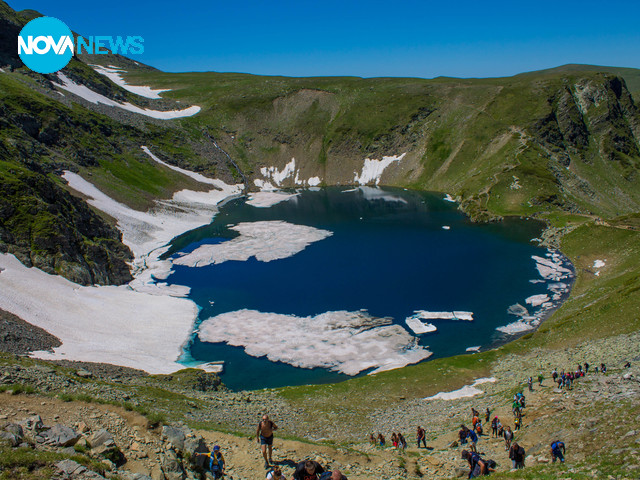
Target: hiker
(381, 440)
(394, 440)
(500, 429)
(420, 434)
(462, 435)
(494, 426)
(402, 443)
(586, 367)
(508, 437)
(487, 416)
(557, 451)
(372, 439)
(264, 436)
(530, 383)
(474, 412)
(479, 429)
(276, 474)
(554, 375)
(473, 438)
(603, 368)
(517, 422)
(540, 379)
(215, 463)
(627, 365)
(474, 421)
(477, 465)
(308, 470)
(517, 455)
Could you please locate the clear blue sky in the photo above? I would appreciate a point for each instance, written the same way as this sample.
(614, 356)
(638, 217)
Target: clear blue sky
(363, 38)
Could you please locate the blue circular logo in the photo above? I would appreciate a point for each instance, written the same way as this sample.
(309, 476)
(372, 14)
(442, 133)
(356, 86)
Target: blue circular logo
(45, 45)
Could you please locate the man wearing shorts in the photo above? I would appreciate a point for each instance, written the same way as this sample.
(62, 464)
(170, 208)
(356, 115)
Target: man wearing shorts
(264, 436)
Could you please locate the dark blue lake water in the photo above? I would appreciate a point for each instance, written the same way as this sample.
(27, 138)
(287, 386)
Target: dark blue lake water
(388, 257)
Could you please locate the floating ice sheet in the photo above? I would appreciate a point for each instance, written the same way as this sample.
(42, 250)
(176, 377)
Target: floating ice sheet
(466, 391)
(266, 241)
(449, 198)
(90, 96)
(269, 199)
(418, 326)
(537, 300)
(346, 342)
(455, 315)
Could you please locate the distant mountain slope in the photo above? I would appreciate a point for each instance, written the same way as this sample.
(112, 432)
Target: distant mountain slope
(562, 140)
(631, 76)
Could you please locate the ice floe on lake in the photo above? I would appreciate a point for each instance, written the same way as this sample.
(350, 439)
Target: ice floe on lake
(418, 326)
(346, 342)
(266, 241)
(551, 269)
(449, 198)
(372, 170)
(89, 95)
(269, 199)
(115, 75)
(455, 315)
(464, 392)
(474, 349)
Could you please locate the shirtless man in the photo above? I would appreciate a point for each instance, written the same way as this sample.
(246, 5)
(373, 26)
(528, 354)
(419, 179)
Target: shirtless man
(264, 436)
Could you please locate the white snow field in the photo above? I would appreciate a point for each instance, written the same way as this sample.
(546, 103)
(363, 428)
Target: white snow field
(115, 75)
(90, 96)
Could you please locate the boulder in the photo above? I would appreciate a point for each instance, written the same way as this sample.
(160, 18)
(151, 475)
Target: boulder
(60, 436)
(174, 435)
(33, 424)
(171, 467)
(9, 438)
(82, 373)
(195, 445)
(15, 429)
(99, 438)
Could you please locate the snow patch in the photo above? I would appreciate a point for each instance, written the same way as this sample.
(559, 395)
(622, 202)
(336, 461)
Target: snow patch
(314, 181)
(346, 342)
(449, 198)
(95, 324)
(464, 392)
(372, 170)
(115, 75)
(196, 176)
(266, 241)
(94, 97)
(473, 349)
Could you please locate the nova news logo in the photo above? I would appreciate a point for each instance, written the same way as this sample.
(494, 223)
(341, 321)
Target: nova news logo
(46, 45)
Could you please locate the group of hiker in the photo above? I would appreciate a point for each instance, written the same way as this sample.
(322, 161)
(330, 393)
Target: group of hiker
(311, 470)
(397, 440)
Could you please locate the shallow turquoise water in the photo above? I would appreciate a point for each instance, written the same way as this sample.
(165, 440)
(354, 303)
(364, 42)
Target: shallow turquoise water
(388, 257)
